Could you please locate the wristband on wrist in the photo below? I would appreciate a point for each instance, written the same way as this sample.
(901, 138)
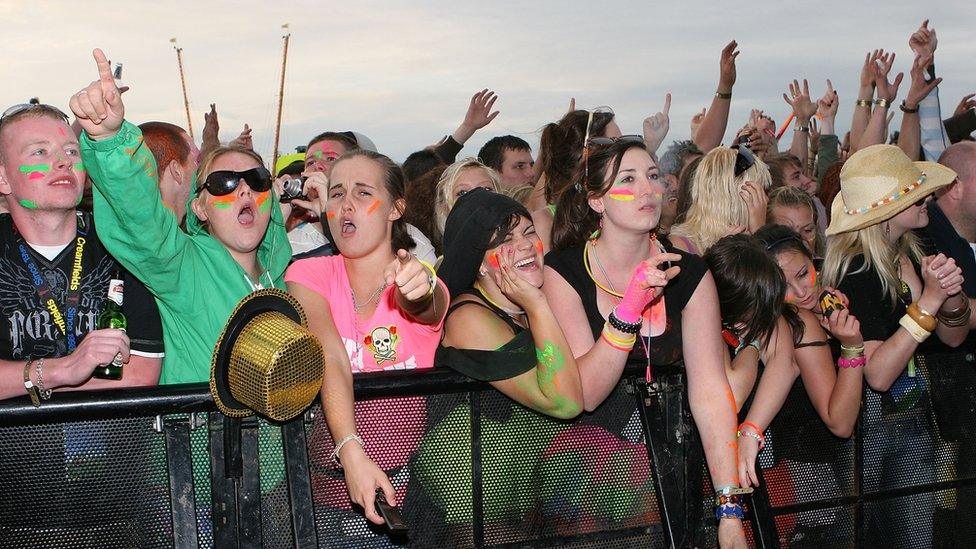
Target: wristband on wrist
(957, 317)
(852, 362)
(799, 128)
(862, 103)
(45, 394)
(923, 318)
(29, 385)
(753, 432)
(619, 343)
(338, 447)
(883, 103)
(723, 95)
(918, 333)
(905, 109)
(625, 327)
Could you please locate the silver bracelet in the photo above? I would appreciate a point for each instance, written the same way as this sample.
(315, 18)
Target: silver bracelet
(45, 394)
(338, 447)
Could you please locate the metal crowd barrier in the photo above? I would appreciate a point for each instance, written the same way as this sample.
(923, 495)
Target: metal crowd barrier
(159, 467)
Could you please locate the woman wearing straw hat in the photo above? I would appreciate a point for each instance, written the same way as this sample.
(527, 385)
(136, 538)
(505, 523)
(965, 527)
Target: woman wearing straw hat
(901, 297)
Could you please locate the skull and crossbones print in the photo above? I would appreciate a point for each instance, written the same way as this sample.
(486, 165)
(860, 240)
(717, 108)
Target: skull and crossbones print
(382, 342)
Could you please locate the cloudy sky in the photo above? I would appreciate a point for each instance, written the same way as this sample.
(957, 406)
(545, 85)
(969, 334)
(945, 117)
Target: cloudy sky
(403, 72)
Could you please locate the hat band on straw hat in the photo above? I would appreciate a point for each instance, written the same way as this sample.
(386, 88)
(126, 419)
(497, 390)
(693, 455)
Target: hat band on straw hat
(888, 199)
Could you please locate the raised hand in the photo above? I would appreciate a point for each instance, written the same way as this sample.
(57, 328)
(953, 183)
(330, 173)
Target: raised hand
(828, 104)
(727, 74)
(967, 103)
(512, 284)
(656, 127)
(572, 104)
(211, 129)
(98, 107)
(886, 89)
(755, 198)
(814, 137)
(243, 140)
(919, 89)
(410, 277)
(923, 41)
(799, 99)
(696, 122)
(479, 112)
(867, 73)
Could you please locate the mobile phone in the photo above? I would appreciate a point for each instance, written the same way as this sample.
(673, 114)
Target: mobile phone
(391, 515)
(829, 302)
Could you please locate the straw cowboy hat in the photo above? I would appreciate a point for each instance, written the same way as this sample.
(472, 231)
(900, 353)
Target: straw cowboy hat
(265, 360)
(879, 182)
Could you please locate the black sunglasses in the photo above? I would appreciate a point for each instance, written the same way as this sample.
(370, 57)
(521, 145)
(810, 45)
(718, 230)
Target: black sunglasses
(224, 182)
(744, 159)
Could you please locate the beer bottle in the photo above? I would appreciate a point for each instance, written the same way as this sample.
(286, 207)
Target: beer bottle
(112, 317)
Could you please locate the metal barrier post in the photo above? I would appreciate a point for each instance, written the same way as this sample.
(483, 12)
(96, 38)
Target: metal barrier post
(182, 500)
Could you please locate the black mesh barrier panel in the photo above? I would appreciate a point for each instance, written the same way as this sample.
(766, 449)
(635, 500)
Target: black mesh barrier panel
(86, 484)
(898, 482)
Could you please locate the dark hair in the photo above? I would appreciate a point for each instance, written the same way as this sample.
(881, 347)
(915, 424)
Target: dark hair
(421, 195)
(830, 185)
(780, 238)
(492, 153)
(166, 143)
(751, 286)
(776, 164)
(420, 163)
(575, 221)
(561, 147)
(685, 179)
(347, 139)
(394, 183)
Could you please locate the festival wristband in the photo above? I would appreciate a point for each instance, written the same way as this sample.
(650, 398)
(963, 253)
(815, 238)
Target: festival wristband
(431, 277)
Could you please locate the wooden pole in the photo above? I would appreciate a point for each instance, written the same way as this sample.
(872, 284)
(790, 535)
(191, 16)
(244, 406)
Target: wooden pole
(281, 99)
(186, 100)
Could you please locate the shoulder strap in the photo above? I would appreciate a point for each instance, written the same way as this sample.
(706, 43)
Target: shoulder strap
(497, 312)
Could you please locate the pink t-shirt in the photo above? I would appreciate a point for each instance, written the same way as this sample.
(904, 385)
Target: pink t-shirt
(388, 340)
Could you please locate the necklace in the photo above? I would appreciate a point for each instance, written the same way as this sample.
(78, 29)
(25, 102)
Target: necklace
(509, 312)
(359, 307)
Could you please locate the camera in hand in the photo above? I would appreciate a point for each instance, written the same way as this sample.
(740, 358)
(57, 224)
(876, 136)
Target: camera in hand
(829, 302)
(292, 189)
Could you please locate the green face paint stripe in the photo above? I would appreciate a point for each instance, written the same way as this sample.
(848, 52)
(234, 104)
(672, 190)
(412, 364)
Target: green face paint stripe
(28, 168)
(264, 201)
(222, 205)
(80, 198)
(30, 205)
(80, 166)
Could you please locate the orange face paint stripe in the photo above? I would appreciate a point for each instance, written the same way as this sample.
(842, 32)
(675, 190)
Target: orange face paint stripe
(372, 207)
(262, 201)
(223, 202)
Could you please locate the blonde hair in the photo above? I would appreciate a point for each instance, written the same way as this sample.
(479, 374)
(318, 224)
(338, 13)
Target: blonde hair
(444, 193)
(521, 194)
(715, 204)
(879, 254)
(793, 197)
(207, 162)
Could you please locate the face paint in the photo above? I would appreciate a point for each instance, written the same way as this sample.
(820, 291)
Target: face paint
(30, 205)
(35, 171)
(262, 201)
(317, 154)
(493, 260)
(80, 166)
(223, 202)
(61, 132)
(552, 360)
(623, 195)
(372, 207)
(538, 246)
(80, 198)
(812, 278)
(330, 215)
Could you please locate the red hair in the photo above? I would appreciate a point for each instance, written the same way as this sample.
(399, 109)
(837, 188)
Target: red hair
(166, 142)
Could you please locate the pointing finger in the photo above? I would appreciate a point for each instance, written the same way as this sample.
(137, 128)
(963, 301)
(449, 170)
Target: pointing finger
(104, 67)
(667, 103)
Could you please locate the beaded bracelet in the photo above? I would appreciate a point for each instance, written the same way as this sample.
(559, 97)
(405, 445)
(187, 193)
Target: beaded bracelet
(625, 327)
(755, 433)
(852, 362)
(338, 447)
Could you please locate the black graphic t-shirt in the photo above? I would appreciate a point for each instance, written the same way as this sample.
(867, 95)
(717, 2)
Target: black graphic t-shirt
(28, 326)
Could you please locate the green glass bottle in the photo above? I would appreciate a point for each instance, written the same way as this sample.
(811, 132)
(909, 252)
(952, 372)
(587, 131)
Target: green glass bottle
(112, 317)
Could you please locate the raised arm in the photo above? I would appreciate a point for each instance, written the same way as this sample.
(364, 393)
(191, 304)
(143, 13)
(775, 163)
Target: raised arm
(910, 135)
(875, 132)
(803, 109)
(132, 222)
(716, 120)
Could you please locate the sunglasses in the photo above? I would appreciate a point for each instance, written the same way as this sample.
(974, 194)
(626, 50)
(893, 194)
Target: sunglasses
(589, 142)
(921, 201)
(224, 182)
(23, 107)
(744, 159)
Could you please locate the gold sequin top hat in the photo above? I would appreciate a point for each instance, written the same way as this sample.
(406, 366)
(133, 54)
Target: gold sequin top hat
(266, 360)
(879, 182)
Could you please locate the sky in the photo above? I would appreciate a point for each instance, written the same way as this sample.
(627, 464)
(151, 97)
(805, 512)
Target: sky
(403, 72)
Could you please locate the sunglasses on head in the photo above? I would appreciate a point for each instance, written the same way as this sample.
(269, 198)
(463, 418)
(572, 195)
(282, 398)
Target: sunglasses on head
(744, 159)
(224, 182)
(23, 107)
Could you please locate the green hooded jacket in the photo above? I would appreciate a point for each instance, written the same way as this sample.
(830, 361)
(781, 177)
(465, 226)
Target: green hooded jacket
(195, 280)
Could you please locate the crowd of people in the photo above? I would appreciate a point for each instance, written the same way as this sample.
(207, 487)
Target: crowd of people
(764, 274)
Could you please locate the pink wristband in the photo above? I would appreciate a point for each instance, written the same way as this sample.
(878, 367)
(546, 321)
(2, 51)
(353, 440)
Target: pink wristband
(852, 362)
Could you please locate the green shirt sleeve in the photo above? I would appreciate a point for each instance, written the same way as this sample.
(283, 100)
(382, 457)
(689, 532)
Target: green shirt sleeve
(132, 222)
(826, 155)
